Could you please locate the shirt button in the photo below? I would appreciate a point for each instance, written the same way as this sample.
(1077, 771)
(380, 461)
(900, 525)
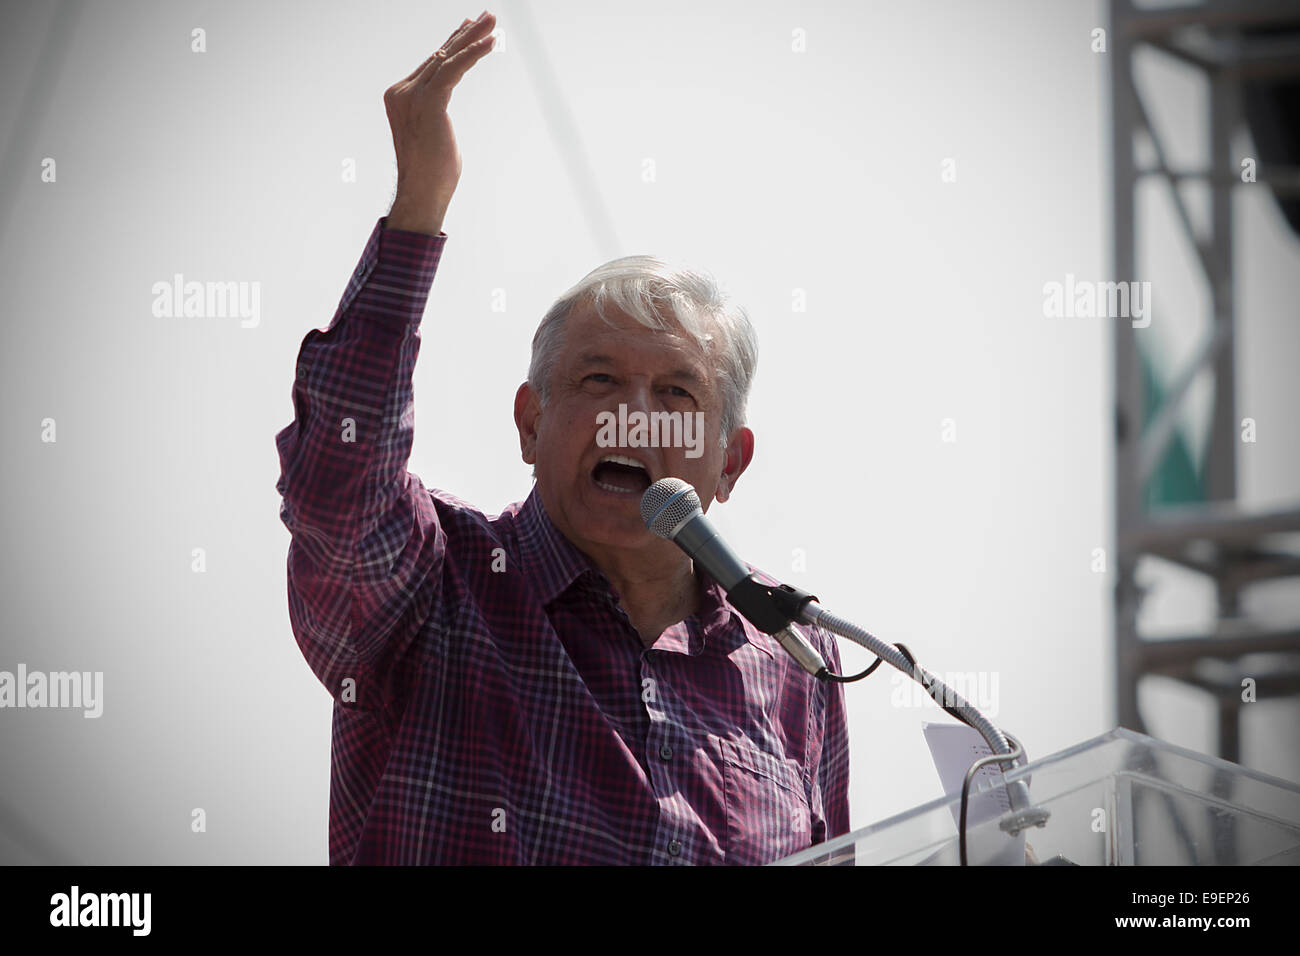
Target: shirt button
(666, 752)
(675, 848)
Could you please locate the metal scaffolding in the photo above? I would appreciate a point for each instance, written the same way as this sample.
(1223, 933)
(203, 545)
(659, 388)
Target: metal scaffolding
(1233, 42)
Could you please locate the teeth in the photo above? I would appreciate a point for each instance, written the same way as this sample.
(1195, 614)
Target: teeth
(624, 460)
(621, 491)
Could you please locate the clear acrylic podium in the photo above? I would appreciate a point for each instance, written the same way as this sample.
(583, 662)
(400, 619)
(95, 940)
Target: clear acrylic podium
(1121, 799)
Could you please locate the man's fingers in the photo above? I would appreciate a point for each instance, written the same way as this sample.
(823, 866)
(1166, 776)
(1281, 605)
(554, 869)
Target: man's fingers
(454, 43)
(468, 34)
(460, 41)
(419, 69)
(454, 67)
(416, 72)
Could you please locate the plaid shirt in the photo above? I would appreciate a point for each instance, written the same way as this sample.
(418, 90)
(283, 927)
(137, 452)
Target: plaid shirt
(493, 703)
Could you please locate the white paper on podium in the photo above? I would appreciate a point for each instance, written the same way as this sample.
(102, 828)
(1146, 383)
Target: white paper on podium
(954, 748)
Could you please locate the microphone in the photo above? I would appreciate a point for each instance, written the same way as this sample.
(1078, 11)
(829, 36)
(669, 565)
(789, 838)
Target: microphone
(671, 509)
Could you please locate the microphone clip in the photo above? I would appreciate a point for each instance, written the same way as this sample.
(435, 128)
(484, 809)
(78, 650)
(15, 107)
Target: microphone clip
(770, 609)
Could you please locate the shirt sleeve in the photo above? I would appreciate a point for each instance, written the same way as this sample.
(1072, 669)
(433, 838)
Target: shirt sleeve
(831, 779)
(366, 548)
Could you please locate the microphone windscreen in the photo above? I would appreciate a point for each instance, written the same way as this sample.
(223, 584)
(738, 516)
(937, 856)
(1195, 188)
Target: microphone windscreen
(666, 504)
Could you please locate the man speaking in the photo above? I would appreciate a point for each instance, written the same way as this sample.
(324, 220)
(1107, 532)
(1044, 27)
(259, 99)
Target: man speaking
(554, 684)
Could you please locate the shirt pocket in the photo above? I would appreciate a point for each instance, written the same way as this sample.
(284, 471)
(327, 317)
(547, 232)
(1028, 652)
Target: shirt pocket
(767, 809)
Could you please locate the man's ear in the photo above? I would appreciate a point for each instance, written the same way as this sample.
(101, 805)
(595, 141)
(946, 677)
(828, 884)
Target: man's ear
(740, 452)
(528, 409)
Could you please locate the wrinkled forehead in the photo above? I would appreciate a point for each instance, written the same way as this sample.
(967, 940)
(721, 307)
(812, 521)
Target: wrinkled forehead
(618, 339)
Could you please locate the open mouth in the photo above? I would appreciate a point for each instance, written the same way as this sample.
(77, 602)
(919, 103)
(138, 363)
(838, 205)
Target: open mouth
(621, 475)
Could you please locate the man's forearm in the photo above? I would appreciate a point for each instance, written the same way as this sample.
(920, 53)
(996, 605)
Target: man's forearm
(410, 217)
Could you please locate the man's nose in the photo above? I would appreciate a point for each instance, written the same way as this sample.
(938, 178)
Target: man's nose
(638, 396)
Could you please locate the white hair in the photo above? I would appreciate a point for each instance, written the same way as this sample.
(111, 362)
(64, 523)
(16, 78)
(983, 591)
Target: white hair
(660, 296)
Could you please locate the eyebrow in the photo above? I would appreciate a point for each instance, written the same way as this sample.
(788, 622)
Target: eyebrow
(591, 358)
(688, 375)
(681, 373)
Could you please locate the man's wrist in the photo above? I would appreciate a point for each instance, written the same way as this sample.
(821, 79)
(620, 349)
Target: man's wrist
(425, 226)
(410, 217)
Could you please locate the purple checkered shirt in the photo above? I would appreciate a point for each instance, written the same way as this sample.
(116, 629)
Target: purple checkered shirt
(492, 702)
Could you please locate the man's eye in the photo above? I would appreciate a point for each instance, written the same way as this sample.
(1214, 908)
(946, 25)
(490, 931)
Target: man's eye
(601, 377)
(679, 391)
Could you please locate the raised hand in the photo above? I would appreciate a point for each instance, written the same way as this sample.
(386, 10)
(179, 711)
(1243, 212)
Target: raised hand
(428, 160)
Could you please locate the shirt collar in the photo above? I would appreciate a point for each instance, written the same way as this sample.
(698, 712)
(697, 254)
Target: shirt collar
(554, 563)
(550, 560)
(716, 616)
